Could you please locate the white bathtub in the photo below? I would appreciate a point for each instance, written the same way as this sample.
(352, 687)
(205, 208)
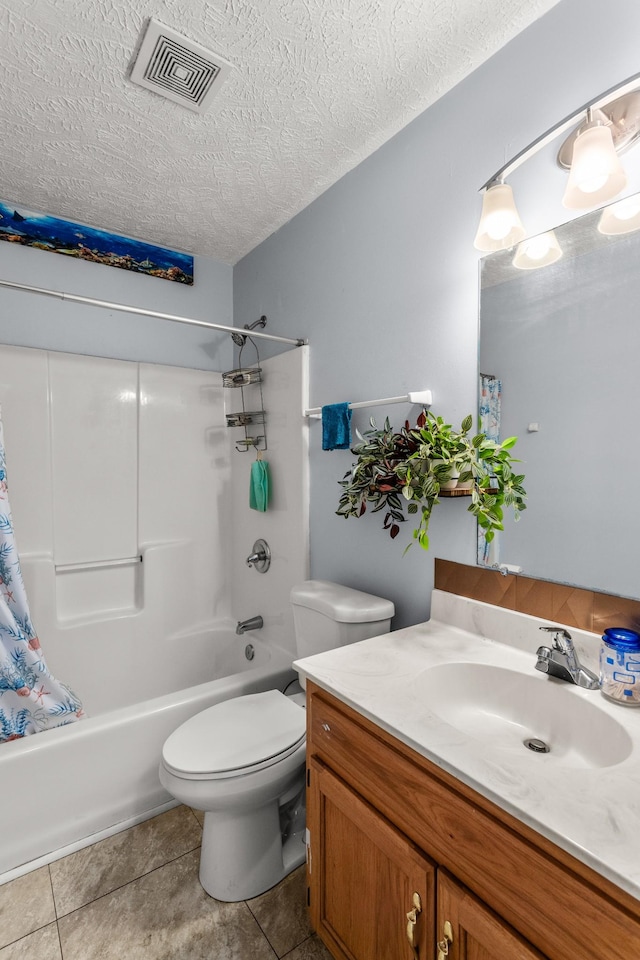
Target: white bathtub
(65, 786)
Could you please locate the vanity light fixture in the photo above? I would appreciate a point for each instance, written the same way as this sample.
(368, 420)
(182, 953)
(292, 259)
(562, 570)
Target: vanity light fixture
(500, 225)
(596, 174)
(621, 217)
(606, 127)
(537, 251)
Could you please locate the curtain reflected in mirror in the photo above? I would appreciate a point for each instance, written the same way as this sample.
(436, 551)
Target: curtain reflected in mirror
(564, 341)
(489, 424)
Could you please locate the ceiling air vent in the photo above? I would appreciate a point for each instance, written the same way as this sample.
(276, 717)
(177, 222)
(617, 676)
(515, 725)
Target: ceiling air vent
(177, 68)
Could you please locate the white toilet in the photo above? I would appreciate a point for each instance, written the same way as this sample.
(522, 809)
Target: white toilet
(242, 761)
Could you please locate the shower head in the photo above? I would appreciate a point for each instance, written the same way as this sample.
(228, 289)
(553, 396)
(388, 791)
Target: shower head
(240, 338)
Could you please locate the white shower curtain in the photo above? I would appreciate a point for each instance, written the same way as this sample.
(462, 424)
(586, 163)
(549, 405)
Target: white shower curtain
(31, 699)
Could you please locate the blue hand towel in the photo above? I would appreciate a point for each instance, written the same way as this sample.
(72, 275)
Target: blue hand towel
(336, 426)
(259, 486)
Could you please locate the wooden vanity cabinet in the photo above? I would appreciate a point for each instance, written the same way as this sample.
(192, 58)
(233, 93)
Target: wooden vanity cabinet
(385, 824)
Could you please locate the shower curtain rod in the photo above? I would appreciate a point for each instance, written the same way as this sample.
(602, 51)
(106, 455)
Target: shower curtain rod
(123, 308)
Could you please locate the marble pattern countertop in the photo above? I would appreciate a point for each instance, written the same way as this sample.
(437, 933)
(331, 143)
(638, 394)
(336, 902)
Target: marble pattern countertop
(591, 811)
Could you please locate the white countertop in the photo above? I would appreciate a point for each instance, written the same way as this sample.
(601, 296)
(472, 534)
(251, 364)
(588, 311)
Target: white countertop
(592, 812)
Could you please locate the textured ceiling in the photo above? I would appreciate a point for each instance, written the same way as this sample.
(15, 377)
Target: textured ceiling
(318, 85)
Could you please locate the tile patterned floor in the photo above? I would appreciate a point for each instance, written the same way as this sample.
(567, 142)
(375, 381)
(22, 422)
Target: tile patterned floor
(136, 895)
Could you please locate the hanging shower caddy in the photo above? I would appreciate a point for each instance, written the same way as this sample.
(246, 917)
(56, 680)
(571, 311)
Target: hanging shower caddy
(245, 378)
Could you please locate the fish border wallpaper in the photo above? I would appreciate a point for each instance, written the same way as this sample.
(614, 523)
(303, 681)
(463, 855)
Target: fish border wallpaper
(52, 234)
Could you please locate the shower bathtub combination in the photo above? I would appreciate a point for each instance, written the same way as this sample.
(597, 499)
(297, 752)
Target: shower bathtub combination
(135, 576)
(71, 785)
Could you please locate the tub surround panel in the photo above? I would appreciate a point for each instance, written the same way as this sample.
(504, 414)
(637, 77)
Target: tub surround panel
(557, 602)
(129, 459)
(94, 434)
(285, 524)
(83, 596)
(185, 471)
(133, 653)
(111, 460)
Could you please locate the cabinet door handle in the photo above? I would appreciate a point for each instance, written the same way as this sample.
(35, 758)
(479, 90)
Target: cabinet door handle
(445, 943)
(412, 919)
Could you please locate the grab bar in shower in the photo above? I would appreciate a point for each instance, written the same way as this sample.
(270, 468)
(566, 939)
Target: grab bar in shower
(97, 564)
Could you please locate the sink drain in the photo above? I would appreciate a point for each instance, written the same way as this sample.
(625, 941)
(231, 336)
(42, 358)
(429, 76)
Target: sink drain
(538, 746)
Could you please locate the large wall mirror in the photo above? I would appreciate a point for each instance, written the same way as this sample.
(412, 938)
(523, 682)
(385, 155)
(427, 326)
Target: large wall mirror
(565, 342)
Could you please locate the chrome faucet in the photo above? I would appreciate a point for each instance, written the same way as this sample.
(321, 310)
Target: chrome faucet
(253, 623)
(561, 660)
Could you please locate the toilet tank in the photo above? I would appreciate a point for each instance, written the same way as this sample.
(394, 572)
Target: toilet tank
(328, 615)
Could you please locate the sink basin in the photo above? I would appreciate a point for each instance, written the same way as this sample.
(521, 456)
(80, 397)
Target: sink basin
(502, 708)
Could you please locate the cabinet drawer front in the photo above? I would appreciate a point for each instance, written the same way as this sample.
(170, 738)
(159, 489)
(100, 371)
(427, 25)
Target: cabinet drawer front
(563, 915)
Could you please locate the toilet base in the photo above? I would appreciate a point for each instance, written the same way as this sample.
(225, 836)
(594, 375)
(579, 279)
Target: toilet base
(243, 856)
(294, 852)
(251, 820)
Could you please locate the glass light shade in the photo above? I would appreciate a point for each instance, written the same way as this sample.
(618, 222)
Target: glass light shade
(621, 217)
(537, 252)
(500, 226)
(596, 173)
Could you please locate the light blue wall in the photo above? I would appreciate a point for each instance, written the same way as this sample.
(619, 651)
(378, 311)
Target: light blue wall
(380, 272)
(30, 320)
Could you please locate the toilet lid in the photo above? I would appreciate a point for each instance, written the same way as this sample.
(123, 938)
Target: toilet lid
(236, 736)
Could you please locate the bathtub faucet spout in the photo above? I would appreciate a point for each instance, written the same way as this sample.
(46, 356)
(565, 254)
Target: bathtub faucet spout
(253, 623)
